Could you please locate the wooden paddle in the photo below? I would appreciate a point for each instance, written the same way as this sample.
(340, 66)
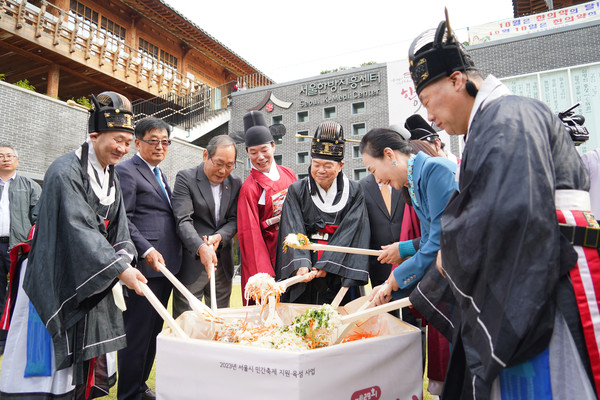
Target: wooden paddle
(339, 296)
(364, 313)
(211, 277)
(162, 311)
(343, 249)
(286, 283)
(291, 240)
(195, 304)
(213, 288)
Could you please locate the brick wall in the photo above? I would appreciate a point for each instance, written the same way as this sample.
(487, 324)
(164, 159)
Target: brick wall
(41, 129)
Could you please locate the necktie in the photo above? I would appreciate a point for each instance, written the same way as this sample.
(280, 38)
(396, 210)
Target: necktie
(387, 197)
(157, 175)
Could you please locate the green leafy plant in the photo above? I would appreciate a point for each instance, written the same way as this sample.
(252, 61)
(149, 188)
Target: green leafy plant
(84, 101)
(24, 83)
(2, 77)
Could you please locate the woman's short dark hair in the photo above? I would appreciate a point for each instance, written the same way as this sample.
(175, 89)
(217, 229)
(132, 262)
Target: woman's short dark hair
(377, 139)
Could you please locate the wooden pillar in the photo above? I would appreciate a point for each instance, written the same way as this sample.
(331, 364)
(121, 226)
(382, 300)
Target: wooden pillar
(131, 36)
(58, 5)
(62, 4)
(182, 67)
(53, 78)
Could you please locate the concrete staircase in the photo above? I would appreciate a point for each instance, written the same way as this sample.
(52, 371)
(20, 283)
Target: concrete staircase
(213, 120)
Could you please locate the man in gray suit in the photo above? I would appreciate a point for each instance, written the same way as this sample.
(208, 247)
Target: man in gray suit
(18, 197)
(205, 206)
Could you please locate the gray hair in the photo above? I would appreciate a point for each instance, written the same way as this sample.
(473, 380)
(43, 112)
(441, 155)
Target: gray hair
(218, 141)
(8, 146)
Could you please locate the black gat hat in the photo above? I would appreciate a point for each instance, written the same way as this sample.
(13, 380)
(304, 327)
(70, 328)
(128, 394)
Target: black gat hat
(110, 111)
(419, 128)
(436, 53)
(328, 142)
(256, 130)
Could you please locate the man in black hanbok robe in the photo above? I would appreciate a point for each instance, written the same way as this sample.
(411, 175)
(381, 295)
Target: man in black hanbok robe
(330, 209)
(80, 249)
(505, 298)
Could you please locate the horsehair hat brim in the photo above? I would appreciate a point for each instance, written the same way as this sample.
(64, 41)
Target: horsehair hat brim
(110, 111)
(328, 141)
(256, 130)
(436, 53)
(419, 128)
(402, 131)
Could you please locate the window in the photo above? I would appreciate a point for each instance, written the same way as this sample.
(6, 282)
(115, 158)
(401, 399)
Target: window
(114, 32)
(276, 119)
(278, 158)
(83, 12)
(278, 140)
(359, 129)
(355, 151)
(329, 112)
(358, 108)
(168, 59)
(302, 139)
(156, 54)
(150, 50)
(302, 116)
(113, 28)
(359, 173)
(85, 17)
(302, 157)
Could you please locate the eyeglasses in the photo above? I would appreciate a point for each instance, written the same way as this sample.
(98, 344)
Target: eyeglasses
(156, 142)
(220, 165)
(7, 157)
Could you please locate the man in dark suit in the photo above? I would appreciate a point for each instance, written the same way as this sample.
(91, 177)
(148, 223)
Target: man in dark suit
(385, 223)
(146, 195)
(205, 206)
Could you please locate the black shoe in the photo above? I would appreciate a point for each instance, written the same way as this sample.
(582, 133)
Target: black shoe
(148, 395)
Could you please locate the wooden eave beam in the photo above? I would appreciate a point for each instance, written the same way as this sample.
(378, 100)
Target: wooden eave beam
(187, 33)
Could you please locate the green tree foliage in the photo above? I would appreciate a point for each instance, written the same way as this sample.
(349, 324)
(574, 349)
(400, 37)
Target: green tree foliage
(24, 83)
(327, 71)
(84, 101)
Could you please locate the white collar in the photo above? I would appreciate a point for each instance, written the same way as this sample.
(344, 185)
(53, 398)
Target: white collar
(273, 173)
(12, 178)
(491, 89)
(326, 205)
(100, 185)
(147, 163)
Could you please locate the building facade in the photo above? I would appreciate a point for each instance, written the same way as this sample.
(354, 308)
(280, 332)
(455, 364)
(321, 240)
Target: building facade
(356, 98)
(42, 129)
(144, 49)
(561, 67)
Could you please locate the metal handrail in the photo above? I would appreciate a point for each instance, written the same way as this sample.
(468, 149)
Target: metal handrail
(185, 111)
